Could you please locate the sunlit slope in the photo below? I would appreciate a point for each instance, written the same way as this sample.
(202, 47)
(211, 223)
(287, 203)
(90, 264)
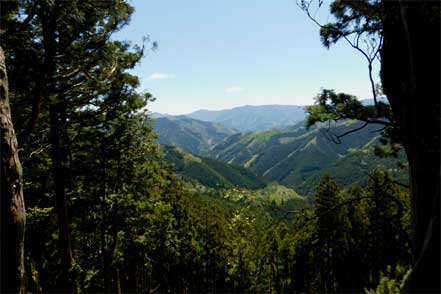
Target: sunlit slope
(211, 173)
(298, 157)
(192, 135)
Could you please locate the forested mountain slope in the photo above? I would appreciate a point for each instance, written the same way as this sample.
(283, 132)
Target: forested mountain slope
(298, 157)
(106, 211)
(254, 118)
(193, 135)
(209, 172)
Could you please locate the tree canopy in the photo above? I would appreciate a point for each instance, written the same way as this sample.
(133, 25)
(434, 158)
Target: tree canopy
(106, 213)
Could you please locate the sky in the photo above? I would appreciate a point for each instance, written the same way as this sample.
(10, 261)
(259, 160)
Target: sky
(220, 54)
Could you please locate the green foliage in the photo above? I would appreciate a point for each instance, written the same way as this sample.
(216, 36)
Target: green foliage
(359, 24)
(391, 282)
(329, 242)
(352, 18)
(211, 173)
(373, 233)
(330, 106)
(195, 136)
(134, 226)
(298, 157)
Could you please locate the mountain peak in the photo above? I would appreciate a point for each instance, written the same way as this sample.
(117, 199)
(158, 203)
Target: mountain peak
(254, 117)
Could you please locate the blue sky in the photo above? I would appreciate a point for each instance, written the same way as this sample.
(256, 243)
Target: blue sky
(219, 54)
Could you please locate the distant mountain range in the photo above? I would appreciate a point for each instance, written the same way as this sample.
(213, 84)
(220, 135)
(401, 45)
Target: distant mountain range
(292, 156)
(254, 118)
(250, 118)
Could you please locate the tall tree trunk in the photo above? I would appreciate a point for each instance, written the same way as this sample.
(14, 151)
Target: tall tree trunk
(410, 74)
(12, 202)
(67, 281)
(57, 119)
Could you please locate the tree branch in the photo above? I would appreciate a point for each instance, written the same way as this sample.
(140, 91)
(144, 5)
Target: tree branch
(352, 131)
(369, 55)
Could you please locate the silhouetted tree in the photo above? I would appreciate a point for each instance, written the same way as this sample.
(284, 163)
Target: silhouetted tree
(408, 44)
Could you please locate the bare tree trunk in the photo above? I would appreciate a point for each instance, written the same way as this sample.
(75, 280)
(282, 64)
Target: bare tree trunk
(118, 282)
(12, 202)
(410, 74)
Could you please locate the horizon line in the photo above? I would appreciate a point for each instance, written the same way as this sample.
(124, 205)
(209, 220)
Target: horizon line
(225, 109)
(246, 105)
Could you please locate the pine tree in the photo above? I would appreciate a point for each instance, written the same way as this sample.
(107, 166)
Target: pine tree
(328, 213)
(404, 36)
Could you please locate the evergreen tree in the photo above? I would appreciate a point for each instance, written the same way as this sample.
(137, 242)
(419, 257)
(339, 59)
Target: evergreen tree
(409, 53)
(328, 214)
(389, 243)
(106, 214)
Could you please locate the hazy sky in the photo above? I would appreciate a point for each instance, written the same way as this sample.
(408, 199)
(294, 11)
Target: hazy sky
(218, 54)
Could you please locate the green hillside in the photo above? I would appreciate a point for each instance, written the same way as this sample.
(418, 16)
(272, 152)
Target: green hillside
(298, 157)
(193, 135)
(294, 157)
(210, 172)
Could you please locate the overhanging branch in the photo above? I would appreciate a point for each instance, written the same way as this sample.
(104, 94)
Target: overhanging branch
(352, 131)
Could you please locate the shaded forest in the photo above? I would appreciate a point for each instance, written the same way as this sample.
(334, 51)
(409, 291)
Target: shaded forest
(90, 202)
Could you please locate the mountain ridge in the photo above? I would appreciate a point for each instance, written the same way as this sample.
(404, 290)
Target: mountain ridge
(210, 172)
(297, 157)
(254, 117)
(193, 135)
(294, 156)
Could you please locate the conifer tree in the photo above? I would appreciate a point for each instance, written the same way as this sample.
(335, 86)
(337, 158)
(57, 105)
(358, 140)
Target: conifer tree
(404, 36)
(327, 210)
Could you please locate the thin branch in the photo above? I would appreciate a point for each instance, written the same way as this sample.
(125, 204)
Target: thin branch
(104, 80)
(371, 79)
(305, 8)
(358, 38)
(332, 137)
(38, 151)
(354, 44)
(367, 120)
(70, 74)
(352, 131)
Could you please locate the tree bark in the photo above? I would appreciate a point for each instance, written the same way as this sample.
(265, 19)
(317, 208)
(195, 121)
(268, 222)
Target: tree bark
(410, 73)
(12, 202)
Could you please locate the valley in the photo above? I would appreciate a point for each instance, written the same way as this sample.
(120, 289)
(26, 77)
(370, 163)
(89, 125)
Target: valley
(293, 156)
(217, 147)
